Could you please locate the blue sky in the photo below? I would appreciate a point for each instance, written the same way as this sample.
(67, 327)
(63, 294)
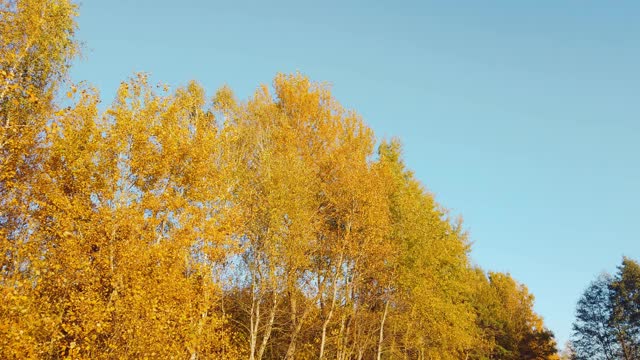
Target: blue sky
(521, 116)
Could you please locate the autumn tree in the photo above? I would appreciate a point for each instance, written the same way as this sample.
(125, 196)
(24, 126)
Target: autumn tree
(432, 316)
(36, 46)
(313, 218)
(510, 328)
(274, 194)
(171, 226)
(129, 225)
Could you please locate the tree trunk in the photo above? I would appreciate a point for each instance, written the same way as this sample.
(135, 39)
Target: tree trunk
(381, 335)
(296, 326)
(325, 323)
(267, 331)
(254, 323)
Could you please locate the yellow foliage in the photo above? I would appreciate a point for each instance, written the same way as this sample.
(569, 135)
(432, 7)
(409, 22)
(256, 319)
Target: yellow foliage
(171, 227)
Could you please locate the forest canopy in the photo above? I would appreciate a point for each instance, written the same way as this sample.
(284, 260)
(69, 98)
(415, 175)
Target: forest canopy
(179, 225)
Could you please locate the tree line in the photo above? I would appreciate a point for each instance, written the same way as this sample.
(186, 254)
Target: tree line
(173, 225)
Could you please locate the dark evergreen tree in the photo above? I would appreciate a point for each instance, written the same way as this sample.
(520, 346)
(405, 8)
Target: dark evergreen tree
(607, 325)
(594, 339)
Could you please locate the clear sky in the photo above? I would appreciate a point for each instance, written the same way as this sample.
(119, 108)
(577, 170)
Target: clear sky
(521, 116)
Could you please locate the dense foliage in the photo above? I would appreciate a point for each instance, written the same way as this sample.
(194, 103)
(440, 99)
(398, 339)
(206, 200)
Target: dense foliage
(170, 226)
(607, 322)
